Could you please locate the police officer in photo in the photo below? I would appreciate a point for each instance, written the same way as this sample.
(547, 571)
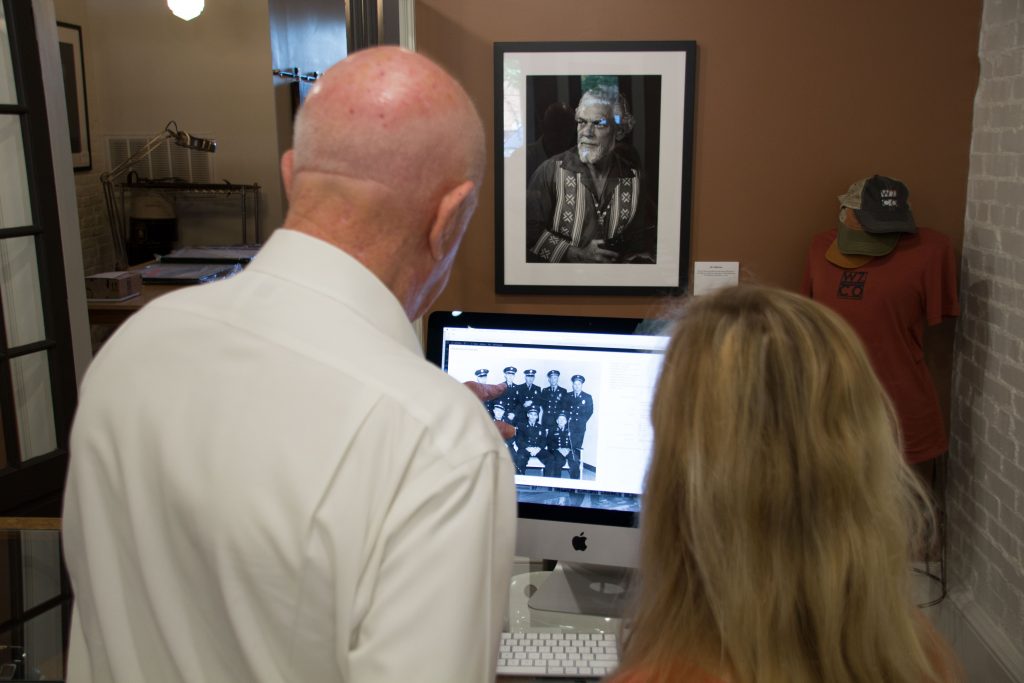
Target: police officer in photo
(481, 377)
(579, 407)
(527, 396)
(559, 446)
(500, 414)
(511, 395)
(531, 439)
(552, 398)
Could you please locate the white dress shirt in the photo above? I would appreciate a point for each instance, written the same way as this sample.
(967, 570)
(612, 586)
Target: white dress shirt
(269, 483)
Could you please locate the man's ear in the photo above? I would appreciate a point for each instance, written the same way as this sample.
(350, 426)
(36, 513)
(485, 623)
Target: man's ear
(449, 219)
(287, 160)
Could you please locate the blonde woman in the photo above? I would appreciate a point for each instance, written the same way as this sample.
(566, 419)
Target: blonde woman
(779, 515)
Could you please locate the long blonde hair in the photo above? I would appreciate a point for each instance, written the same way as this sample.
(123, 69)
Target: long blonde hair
(779, 515)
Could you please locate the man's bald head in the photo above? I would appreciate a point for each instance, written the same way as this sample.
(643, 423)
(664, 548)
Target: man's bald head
(394, 117)
(386, 165)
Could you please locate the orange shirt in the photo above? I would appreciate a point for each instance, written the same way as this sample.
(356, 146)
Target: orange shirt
(888, 301)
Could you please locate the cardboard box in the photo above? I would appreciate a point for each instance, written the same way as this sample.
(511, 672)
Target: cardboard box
(114, 285)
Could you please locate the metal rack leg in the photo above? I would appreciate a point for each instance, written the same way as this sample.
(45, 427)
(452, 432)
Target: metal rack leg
(939, 477)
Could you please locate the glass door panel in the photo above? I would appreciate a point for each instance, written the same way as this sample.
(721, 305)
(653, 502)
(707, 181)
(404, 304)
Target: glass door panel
(15, 209)
(40, 567)
(35, 605)
(8, 89)
(41, 583)
(19, 291)
(33, 403)
(44, 646)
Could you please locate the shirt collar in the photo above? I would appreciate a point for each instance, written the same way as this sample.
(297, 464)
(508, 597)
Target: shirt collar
(321, 267)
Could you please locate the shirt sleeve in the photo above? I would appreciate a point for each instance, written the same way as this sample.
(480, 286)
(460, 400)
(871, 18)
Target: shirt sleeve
(940, 283)
(542, 244)
(441, 594)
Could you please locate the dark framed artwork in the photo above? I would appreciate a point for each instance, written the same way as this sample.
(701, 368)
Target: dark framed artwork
(593, 172)
(69, 39)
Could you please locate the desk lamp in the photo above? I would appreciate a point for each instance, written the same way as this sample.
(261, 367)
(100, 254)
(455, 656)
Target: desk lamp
(115, 213)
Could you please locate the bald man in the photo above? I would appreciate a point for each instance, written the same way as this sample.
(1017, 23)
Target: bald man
(268, 482)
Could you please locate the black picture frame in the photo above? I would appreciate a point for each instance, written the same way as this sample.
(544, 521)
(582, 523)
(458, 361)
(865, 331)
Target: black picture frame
(69, 38)
(537, 87)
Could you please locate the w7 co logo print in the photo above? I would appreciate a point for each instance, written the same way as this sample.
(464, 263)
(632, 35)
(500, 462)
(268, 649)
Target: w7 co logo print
(851, 285)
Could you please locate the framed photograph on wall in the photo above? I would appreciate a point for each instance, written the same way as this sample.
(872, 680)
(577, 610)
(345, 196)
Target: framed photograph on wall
(69, 39)
(593, 171)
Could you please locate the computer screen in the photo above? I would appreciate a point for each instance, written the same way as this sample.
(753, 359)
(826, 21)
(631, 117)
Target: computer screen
(579, 395)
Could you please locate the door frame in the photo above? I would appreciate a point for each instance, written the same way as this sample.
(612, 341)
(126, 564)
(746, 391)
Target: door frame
(36, 487)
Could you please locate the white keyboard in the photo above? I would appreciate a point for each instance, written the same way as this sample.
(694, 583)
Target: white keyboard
(569, 655)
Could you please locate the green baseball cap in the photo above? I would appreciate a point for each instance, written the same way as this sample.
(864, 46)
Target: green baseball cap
(851, 241)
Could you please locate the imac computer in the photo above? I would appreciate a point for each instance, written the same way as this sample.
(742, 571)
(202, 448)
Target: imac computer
(579, 487)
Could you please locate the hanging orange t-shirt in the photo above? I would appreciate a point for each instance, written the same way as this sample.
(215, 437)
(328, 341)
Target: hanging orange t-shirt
(888, 301)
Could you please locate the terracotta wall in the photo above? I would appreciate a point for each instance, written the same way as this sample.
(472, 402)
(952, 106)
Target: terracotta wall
(795, 101)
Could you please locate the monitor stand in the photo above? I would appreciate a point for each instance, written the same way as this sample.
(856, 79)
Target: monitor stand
(579, 588)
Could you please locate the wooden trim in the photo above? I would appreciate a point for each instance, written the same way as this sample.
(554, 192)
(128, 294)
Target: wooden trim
(30, 523)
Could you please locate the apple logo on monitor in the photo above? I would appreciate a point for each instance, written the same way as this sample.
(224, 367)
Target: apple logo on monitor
(579, 542)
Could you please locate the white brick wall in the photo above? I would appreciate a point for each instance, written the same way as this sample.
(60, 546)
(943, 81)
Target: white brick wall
(986, 476)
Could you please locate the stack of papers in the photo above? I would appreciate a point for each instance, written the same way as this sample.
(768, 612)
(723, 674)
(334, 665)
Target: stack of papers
(242, 254)
(187, 273)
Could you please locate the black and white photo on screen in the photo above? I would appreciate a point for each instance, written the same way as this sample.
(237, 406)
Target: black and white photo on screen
(570, 447)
